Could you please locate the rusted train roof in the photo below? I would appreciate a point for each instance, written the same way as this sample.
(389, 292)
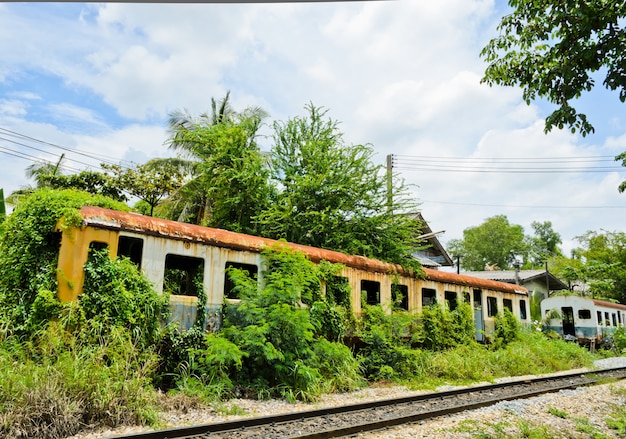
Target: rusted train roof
(609, 304)
(131, 222)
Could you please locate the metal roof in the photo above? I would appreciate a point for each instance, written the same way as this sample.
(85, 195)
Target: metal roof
(132, 222)
(525, 276)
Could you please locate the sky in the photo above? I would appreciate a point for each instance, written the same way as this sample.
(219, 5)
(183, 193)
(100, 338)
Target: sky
(97, 81)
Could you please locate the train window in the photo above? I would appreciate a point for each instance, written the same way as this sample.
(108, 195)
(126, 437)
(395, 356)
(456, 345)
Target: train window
(97, 246)
(584, 314)
(372, 291)
(338, 290)
(230, 292)
(183, 275)
(614, 320)
(451, 300)
(522, 310)
(599, 315)
(508, 304)
(492, 306)
(130, 247)
(607, 322)
(478, 299)
(400, 296)
(429, 297)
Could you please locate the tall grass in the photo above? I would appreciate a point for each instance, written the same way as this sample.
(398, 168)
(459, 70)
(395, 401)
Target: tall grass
(52, 387)
(530, 354)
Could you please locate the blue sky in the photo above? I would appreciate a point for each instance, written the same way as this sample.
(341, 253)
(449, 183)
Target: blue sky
(403, 76)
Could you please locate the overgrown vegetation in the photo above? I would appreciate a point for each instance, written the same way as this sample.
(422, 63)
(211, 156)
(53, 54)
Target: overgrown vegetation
(29, 249)
(99, 361)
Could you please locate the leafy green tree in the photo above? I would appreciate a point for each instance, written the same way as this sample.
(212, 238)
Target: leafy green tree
(94, 182)
(496, 242)
(151, 182)
(544, 244)
(331, 194)
(553, 49)
(227, 176)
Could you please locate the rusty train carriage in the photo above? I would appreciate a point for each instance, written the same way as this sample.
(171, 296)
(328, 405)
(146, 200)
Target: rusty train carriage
(166, 249)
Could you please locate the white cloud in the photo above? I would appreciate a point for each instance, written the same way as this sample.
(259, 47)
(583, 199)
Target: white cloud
(403, 76)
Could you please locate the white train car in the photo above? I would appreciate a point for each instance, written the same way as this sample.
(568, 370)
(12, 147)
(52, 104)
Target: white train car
(588, 320)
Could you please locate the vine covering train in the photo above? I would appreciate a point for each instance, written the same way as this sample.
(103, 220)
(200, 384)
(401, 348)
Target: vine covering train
(196, 257)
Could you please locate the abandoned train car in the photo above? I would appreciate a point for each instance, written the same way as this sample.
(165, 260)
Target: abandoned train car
(166, 249)
(585, 319)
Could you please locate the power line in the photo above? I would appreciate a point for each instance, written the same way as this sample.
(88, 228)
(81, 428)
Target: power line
(101, 158)
(522, 206)
(510, 165)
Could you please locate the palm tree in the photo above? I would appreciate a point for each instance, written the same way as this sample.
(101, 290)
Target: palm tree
(188, 137)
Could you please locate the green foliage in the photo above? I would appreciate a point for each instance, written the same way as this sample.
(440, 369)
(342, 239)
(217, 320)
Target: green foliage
(617, 420)
(97, 183)
(208, 369)
(53, 386)
(441, 329)
(227, 183)
(543, 245)
(495, 242)
(599, 264)
(275, 333)
(507, 328)
(619, 338)
(552, 50)
(384, 349)
(331, 195)
(116, 294)
(150, 182)
(29, 248)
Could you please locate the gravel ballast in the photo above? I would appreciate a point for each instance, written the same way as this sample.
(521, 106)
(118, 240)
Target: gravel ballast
(564, 412)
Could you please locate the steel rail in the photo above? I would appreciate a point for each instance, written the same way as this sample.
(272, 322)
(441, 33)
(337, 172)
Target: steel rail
(564, 381)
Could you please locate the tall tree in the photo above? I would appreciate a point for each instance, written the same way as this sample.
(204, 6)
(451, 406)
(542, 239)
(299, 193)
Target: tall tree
(331, 195)
(151, 182)
(598, 266)
(552, 49)
(544, 244)
(227, 184)
(495, 243)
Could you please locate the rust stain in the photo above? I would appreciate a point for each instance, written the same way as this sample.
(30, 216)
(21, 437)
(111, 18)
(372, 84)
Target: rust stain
(116, 220)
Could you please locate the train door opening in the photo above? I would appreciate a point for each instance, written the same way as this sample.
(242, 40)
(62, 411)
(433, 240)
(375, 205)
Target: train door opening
(479, 319)
(568, 320)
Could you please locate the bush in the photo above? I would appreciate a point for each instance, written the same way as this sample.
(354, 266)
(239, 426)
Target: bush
(441, 329)
(117, 294)
(29, 249)
(276, 333)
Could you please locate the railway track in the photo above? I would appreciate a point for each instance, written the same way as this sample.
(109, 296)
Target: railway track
(375, 415)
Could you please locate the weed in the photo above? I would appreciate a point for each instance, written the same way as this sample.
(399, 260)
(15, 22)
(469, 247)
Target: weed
(557, 412)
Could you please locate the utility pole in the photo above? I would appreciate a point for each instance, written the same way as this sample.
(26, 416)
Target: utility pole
(389, 181)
